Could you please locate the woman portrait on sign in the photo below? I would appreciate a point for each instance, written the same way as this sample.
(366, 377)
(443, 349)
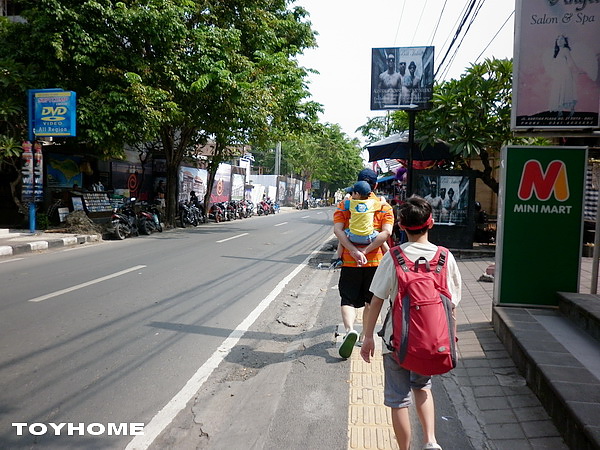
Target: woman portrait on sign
(563, 93)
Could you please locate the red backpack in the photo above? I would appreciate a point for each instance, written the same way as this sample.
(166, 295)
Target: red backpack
(423, 330)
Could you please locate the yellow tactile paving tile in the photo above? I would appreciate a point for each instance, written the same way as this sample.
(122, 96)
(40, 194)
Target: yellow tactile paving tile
(369, 421)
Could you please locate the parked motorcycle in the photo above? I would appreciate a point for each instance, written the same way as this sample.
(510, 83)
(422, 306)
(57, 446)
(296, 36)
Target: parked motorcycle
(263, 208)
(189, 214)
(149, 219)
(216, 213)
(124, 220)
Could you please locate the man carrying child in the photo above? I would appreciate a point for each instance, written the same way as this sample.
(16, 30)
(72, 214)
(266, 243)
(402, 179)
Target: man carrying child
(359, 262)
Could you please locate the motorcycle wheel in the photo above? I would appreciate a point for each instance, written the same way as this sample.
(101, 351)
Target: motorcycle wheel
(218, 217)
(120, 232)
(143, 227)
(158, 227)
(194, 220)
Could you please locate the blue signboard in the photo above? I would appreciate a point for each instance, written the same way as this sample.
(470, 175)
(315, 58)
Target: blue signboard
(54, 113)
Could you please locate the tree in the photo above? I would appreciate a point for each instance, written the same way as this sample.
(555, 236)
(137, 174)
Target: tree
(325, 154)
(471, 114)
(13, 129)
(176, 73)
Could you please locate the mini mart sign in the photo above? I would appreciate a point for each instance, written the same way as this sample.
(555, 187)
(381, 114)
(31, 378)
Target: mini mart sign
(540, 221)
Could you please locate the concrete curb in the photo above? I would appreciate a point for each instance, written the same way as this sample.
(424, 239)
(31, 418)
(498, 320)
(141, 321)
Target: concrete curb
(45, 244)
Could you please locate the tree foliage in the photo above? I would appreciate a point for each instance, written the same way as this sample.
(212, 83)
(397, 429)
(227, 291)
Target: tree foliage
(170, 73)
(326, 154)
(471, 114)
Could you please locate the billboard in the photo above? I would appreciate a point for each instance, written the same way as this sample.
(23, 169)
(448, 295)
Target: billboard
(401, 78)
(556, 79)
(539, 233)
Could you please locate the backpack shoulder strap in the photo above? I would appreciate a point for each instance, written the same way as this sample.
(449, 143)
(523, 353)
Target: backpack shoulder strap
(347, 205)
(399, 258)
(442, 256)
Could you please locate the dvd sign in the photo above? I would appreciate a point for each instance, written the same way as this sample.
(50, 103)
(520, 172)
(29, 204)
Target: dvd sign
(54, 113)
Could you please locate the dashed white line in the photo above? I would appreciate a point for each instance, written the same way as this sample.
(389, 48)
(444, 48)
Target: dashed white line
(11, 260)
(279, 224)
(232, 237)
(82, 285)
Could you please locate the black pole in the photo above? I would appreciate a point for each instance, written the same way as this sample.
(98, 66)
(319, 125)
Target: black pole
(411, 144)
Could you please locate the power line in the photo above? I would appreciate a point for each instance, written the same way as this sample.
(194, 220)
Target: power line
(419, 22)
(399, 22)
(473, 17)
(495, 35)
(456, 34)
(437, 24)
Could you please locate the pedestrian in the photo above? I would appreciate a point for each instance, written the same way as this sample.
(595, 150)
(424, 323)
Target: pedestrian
(161, 190)
(416, 219)
(359, 262)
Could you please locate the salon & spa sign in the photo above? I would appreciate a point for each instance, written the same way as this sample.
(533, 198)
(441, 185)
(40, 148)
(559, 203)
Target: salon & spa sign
(540, 217)
(556, 71)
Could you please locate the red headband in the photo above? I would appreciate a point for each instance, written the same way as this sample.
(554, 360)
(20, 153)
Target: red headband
(428, 223)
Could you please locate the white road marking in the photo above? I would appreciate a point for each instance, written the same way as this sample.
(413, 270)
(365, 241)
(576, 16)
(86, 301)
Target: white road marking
(232, 237)
(305, 217)
(166, 415)
(82, 285)
(279, 224)
(11, 260)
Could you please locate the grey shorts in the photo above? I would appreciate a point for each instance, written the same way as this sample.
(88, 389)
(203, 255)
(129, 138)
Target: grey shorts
(399, 382)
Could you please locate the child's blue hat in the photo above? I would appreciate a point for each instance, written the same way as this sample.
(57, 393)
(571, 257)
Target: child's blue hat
(362, 188)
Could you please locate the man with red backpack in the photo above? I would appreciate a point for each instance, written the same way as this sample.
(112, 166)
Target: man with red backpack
(424, 285)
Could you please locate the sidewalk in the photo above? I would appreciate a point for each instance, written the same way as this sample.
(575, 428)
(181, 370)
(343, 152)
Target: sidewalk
(15, 242)
(494, 404)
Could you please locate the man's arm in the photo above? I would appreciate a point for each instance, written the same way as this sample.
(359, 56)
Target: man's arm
(338, 230)
(380, 239)
(368, 347)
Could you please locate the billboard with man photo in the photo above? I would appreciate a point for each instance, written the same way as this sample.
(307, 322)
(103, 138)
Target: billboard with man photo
(401, 78)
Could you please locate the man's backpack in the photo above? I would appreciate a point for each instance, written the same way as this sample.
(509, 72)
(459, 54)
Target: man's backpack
(423, 329)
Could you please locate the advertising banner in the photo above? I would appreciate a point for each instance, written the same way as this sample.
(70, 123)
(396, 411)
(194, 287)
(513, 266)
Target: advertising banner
(27, 172)
(540, 218)
(54, 113)
(556, 82)
(64, 171)
(192, 179)
(401, 78)
(38, 173)
(222, 185)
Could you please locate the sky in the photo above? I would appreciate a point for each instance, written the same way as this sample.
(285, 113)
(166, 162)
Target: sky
(349, 29)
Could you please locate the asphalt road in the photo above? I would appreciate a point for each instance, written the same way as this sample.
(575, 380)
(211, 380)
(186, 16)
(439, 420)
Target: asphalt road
(111, 333)
(215, 337)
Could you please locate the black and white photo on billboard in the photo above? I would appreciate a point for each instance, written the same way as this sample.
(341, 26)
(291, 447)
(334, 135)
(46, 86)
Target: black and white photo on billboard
(448, 196)
(401, 78)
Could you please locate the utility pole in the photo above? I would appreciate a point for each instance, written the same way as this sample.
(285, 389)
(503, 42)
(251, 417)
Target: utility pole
(278, 158)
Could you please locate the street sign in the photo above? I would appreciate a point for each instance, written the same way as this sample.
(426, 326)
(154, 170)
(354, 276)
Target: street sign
(54, 114)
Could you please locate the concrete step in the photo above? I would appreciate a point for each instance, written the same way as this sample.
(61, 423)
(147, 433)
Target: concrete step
(583, 310)
(561, 364)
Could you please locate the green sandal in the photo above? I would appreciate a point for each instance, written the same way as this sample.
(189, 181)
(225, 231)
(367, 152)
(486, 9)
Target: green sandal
(348, 344)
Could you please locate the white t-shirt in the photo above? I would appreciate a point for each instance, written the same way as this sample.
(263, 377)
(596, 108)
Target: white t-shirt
(385, 281)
